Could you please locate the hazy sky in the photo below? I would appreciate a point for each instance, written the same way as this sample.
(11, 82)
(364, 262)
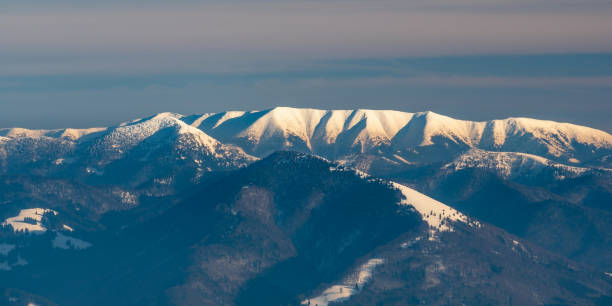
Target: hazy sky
(88, 63)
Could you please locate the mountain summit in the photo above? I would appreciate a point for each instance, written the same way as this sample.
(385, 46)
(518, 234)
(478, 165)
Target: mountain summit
(334, 133)
(222, 176)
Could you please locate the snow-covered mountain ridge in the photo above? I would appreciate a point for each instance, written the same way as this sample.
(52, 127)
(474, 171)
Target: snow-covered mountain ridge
(395, 137)
(515, 164)
(160, 147)
(334, 133)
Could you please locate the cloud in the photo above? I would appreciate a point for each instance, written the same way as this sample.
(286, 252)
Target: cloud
(199, 37)
(464, 82)
(86, 62)
(577, 100)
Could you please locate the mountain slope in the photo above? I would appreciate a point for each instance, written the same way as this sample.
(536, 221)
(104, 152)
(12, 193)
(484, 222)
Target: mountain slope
(546, 182)
(291, 228)
(161, 147)
(335, 133)
(564, 209)
(412, 138)
(518, 165)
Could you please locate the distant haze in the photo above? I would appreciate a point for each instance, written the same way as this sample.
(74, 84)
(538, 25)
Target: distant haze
(83, 63)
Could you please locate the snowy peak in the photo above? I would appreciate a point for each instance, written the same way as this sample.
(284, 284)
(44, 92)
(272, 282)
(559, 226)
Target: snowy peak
(68, 134)
(164, 127)
(412, 138)
(374, 128)
(127, 135)
(336, 133)
(165, 136)
(426, 127)
(283, 123)
(309, 130)
(543, 137)
(438, 216)
(509, 165)
(158, 148)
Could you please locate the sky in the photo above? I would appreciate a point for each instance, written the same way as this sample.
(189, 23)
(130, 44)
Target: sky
(69, 63)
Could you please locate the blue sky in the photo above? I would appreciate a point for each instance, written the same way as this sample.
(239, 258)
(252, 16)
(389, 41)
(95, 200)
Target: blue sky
(82, 63)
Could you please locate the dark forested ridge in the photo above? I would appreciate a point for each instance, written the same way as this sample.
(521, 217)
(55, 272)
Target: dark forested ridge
(282, 231)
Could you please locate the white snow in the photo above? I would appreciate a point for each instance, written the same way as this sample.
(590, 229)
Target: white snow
(23, 133)
(517, 246)
(333, 133)
(128, 135)
(126, 197)
(75, 134)
(164, 181)
(281, 123)
(94, 171)
(186, 141)
(66, 242)
(34, 215)
(562, 134)
(71, 134)
(281, 127)
(426, 125)
(349, 131)
(402, 159)
(437, 214)
(512, 164)
(371, 128)
(357, 172)
(347, 288)
(407, 244)
(58, 161)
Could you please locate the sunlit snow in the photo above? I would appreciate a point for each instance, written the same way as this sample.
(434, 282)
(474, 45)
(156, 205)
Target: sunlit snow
(29, 219)
(284, 127)
(349, 287)
(66, 242)
(512, 164)
(437, 214)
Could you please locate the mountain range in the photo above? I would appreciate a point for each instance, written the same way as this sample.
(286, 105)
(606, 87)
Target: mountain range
(213, 209)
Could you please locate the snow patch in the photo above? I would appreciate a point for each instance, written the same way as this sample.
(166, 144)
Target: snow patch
(66, 242)
(513, 164)
(407, 244)
(127, 198)
(362, 130)
(349, 287)
(437, 214)
(29, 219)
(70, 134)
(91, 170)
(163, 181)
(402, 159)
